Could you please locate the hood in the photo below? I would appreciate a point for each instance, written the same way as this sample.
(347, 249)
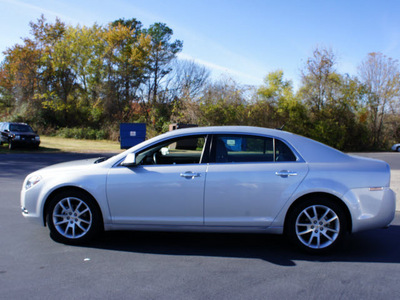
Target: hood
(75, 164)
(23, 133)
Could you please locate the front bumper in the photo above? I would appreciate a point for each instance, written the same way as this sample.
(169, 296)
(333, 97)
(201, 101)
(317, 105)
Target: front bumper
(30, 206)
(26, 143)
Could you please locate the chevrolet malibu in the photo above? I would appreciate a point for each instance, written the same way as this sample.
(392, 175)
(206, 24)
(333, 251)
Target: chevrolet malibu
(216, 179)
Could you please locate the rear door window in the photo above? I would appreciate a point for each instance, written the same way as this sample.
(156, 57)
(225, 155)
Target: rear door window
(246, 148)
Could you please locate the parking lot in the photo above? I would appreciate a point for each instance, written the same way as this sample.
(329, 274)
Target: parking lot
(144, 265)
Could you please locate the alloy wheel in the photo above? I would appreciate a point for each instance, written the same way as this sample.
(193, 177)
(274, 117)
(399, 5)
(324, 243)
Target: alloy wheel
(317, 226)
(72, 218)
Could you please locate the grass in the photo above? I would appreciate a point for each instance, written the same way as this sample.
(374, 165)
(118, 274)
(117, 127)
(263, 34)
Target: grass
(57, 144)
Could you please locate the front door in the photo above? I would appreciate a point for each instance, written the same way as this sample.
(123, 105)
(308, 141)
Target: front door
(165, 188)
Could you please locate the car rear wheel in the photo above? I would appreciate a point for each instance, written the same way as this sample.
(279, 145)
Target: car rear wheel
(317, 225)
(398, 149)
(73, 218)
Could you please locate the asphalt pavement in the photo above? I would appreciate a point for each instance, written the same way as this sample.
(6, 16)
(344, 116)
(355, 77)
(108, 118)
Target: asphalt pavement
(145, 265)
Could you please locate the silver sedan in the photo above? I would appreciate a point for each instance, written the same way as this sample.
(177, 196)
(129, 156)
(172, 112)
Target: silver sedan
(217, 179)
(396, 147)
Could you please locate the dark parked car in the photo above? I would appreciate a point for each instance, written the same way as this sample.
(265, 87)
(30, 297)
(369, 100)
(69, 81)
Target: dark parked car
(18, 134)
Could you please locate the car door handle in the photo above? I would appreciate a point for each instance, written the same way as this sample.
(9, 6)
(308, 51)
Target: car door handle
(285, 173)
(190, 175)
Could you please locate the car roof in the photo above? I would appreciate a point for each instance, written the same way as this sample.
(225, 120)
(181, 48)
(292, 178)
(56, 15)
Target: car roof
(249, 130)
(17, 123)
(310, 150)
(228, 130)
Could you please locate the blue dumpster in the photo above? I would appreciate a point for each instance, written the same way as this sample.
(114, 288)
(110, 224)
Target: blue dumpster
(131, 134)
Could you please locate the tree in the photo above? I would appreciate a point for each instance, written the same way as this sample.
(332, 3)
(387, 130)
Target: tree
(19, 70)
(277, 105)
(6, 97)
(319, 79)
(381, 77)
(28, 70)
(275, 87)
(126, 64)
(162, 53)
(223, 103)
(184, 87)
(335, 110)
(187, 80)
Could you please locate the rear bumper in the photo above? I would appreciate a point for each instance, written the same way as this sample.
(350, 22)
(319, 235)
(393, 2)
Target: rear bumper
(371, 208)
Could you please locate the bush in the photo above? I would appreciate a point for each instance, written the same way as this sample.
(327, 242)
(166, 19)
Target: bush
(83, 133)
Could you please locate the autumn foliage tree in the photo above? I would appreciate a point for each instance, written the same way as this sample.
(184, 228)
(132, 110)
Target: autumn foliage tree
(65, 77)
(381, 77)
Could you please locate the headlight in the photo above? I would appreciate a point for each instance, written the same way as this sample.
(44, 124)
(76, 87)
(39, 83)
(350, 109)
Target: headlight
(17, 137)
(33, 180)
(37, 138)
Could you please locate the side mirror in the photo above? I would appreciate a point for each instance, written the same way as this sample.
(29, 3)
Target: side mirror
(130, 160)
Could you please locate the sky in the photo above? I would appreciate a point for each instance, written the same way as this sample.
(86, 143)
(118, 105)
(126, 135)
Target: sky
(240, 39)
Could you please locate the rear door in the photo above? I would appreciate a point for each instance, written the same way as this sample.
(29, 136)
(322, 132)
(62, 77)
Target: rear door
(249, 180)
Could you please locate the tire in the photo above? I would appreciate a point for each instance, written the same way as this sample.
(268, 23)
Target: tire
(73, 218)
(317, 225)
(398, 149)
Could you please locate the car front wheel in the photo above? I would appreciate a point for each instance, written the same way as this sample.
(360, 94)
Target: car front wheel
(317, 225)
(73, 218)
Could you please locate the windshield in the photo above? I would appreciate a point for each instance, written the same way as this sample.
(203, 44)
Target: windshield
(20, 128)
